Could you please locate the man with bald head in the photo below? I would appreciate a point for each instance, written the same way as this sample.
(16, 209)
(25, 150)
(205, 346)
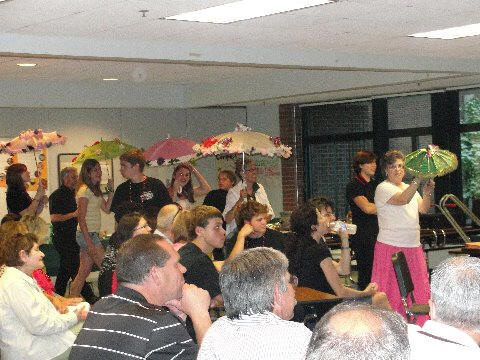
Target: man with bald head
(358, 331)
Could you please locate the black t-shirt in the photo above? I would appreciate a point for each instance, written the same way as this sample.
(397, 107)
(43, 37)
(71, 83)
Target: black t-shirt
(149, 193)
(367, 224)
(200, 269)
(62, 201)
(307, 260)
(271, 238)
(17, 200)
(216, 198)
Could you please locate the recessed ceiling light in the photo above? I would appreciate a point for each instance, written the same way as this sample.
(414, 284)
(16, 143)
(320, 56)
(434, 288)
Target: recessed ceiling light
(110, 79)
(245, 9)
(451, 33)
(26, 64)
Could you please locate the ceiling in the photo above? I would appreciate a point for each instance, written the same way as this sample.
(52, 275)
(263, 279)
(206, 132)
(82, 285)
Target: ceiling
(345, 49)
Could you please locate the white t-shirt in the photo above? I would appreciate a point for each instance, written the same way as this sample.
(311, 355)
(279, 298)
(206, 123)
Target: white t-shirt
(398, 224)
(93, 214)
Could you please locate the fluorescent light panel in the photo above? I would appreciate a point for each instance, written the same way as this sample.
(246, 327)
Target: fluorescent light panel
(245, 9)
(110, 79)
(26, 64)
(451, 33)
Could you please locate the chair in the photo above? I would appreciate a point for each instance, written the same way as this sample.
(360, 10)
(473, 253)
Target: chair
(405, 285)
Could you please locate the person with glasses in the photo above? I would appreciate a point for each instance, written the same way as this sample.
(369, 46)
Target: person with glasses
(398, 205)
(311, 260)
(259, 298)
(246, 189)
(129, 226)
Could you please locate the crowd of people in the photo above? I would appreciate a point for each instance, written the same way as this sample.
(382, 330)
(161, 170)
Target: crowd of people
(172, 267)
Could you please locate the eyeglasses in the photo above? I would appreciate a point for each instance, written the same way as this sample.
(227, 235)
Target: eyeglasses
(251, 169)
(293, 281)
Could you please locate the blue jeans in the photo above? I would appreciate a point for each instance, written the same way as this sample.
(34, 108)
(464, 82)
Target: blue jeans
(81, 240)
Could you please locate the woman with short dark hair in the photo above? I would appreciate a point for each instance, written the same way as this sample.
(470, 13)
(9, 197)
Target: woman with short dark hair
(398, 205)
(360, 195)
(30, 326)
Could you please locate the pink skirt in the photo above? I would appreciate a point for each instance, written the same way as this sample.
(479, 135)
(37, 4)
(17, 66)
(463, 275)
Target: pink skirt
(384, 275)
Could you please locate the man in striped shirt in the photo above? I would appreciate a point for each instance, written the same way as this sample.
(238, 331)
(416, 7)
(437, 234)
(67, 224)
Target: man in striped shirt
(144, 319)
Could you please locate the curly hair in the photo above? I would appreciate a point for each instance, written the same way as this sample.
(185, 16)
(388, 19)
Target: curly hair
(248, 210)
(389, 158)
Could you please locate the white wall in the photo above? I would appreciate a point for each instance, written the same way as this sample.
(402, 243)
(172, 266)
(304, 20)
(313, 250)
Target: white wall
(139, 127)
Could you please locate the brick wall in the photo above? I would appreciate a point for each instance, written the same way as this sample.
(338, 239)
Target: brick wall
(293, 184)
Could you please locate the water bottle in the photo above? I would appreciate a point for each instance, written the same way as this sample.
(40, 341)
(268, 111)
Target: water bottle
(337, 225)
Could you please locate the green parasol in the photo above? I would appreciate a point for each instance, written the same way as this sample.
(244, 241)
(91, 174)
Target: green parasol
(430, 162)
(102, 150)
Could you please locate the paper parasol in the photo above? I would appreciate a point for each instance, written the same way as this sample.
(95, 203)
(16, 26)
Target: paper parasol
(430, 162)
(102, 150)
(32, 140)
(170, 151)
(243, 141)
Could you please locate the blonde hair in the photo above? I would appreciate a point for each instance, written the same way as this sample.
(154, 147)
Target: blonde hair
(180, 226)
(36, 225)
(166, 215)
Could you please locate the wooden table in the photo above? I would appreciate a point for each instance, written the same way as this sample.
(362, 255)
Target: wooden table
(304, 294)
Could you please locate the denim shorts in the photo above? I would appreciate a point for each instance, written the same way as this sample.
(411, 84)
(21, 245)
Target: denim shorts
(81, 241)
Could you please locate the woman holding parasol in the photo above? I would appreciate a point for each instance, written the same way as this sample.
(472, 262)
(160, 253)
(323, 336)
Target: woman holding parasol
(398, 205)
(18, 200)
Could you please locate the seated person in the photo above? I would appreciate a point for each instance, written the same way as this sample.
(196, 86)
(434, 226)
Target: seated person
(454, 329)
(165, 218)
(356, 331)
(144, 319)
(180, 227)
(10, 228)
(252, 218)
(217, 198)
(259, 298)
(129, 226)
(207, 233)
(311, 260)
(30, 326)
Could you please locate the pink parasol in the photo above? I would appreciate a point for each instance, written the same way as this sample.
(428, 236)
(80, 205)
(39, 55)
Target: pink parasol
(170, 151)
(32, 140)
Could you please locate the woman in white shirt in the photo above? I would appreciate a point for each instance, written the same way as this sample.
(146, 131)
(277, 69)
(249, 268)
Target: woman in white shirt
(398, 205)
(90, 201)
(30, 326)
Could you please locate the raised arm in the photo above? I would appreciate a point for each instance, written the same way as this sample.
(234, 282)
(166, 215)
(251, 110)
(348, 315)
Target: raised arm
(405, 196)
(424, 202)
(204, 187)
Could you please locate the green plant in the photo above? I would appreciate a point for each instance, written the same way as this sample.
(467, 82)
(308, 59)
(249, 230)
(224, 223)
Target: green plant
(470, 142)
